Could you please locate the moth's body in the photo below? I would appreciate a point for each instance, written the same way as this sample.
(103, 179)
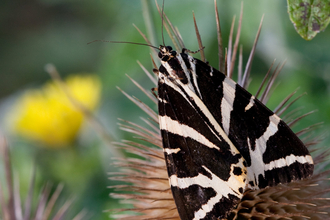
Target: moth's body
(219, 140)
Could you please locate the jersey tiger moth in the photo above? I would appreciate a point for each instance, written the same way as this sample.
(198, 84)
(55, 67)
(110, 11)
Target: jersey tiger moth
(218, 139)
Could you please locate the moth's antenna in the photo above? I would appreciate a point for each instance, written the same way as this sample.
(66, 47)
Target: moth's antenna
(163, 23)
(123, 42)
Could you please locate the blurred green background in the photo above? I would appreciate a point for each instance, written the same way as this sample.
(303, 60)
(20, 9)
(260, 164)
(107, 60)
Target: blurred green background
(36, 32)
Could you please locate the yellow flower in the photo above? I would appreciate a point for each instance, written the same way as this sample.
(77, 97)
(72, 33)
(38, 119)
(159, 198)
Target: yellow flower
(48, 115)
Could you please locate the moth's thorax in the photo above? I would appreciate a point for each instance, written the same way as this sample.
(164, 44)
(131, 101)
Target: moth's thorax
(173, 66)
(166, 53)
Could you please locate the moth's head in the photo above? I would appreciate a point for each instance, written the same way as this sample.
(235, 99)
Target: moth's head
(166, 53)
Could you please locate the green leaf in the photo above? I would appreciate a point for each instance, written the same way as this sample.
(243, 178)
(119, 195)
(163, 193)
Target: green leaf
(309, 16)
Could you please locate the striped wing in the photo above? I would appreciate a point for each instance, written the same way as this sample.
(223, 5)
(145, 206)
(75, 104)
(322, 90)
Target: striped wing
(206, 172)
(274, 154)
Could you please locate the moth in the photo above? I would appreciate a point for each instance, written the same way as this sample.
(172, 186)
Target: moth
(218, 139)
